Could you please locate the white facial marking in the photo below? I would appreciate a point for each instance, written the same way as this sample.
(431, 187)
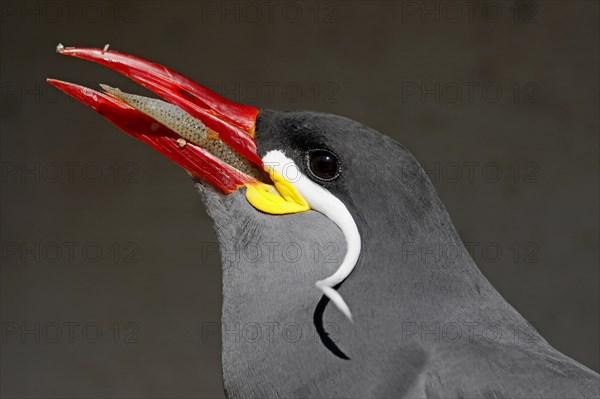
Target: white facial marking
(321, 200)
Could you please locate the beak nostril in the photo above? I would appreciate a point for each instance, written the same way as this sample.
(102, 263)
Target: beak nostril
(187, 94)
(194, 99)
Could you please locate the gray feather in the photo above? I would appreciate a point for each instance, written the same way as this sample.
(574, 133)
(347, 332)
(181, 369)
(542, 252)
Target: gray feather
(427, 323)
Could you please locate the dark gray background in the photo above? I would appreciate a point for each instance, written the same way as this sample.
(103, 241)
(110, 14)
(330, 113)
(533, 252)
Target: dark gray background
(359, 59)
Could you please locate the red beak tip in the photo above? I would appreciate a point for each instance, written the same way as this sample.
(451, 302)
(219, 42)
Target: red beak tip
(234, 122)
(60, 48)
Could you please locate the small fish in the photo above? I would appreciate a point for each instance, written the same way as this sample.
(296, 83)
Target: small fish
(188, 127)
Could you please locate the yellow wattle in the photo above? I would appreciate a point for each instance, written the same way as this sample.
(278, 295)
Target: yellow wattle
(279, 200)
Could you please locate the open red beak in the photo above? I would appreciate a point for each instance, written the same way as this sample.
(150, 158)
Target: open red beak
(233, 123)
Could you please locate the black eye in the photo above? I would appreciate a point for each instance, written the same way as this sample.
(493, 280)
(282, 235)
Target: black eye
(323, 164)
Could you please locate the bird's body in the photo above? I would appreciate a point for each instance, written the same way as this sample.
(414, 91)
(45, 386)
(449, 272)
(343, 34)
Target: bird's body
(427, 323)
(413, 316)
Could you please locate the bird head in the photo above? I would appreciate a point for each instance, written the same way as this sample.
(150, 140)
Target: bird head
(318, 196)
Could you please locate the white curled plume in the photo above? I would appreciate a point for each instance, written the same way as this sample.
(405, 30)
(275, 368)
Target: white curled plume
(321, 200)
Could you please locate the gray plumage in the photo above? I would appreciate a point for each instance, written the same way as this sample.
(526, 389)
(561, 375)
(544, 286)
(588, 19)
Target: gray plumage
(425, 326)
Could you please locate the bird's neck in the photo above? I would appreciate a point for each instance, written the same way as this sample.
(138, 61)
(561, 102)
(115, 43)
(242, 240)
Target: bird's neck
(412, 252)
